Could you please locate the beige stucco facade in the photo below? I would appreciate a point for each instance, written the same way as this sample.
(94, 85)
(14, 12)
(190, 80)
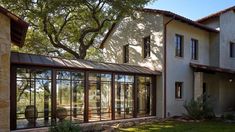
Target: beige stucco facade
(131, 32)
(5, 43)
(212, 51)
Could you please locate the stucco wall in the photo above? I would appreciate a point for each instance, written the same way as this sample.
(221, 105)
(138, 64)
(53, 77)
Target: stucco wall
(5, 42)
(213, 23)
(178, 69)
(132, 31)
(227, 34)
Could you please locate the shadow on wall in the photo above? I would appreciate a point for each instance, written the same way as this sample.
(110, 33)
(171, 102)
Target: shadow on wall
(132, 31)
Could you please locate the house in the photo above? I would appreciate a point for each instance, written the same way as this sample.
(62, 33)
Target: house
(155, 63)
(195, 57)
(13, 30)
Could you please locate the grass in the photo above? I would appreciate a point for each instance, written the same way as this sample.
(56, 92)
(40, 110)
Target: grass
(172, 126)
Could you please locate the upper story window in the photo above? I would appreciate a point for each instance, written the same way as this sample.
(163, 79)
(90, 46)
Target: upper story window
(179, 45)
(146, 48)
(232, 49)
(194, 49)
(126, 53)
(178, 90)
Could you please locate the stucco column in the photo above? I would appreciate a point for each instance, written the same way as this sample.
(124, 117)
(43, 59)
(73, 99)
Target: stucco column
(5, 44)
(198, 84)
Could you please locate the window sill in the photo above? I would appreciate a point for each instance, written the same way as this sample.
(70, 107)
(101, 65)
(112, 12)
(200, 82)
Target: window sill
(197, 61)
(179, 99)
(180, 58)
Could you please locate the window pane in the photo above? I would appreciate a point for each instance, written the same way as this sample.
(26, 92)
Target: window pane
(124, 96)
(99, 97)
(144, 96)
(33, 100)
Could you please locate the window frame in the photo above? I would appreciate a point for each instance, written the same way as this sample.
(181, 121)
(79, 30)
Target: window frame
(146, 46)
(232, 50)
(179, 85)
(179, 47)
(194, 49)
(126, 53)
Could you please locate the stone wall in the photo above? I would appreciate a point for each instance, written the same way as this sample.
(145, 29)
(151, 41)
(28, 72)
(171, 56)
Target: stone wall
(5, 41)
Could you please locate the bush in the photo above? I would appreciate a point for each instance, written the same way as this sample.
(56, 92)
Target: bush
(229, 116)
(65, 126)
(199, 109)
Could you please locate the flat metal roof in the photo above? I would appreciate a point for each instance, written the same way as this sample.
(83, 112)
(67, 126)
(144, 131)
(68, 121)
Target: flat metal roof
(55, 62)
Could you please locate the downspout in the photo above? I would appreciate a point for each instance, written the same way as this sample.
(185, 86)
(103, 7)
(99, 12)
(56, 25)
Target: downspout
(165, 62)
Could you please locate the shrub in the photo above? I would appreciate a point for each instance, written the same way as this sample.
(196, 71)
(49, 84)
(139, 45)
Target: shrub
(229, 116)
(199, 109)
(65, 126)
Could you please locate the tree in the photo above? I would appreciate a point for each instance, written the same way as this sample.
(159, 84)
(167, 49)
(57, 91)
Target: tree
(70, 26)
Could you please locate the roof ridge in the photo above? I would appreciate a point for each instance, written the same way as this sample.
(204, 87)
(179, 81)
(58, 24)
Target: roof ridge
(58, 57)
(215, 14)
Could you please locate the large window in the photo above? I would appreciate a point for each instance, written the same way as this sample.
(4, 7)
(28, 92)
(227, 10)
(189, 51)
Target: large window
(179, 45)
(144, 96)
(124, 100)
(33, 98)
(70, 95)
(44, 97)
(194, 49)
(99, 97)
(232, 50)
(146, 47)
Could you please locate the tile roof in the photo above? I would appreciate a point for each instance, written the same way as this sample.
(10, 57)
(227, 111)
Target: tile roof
(200, 67)
(215, 14)
(168, 14)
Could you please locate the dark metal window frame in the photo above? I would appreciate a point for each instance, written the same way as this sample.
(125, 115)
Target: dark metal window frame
(86, 83)
(126, 53)
(194, 49)
(232, 49)
(146, 46)
(179, 45)
(179, 86)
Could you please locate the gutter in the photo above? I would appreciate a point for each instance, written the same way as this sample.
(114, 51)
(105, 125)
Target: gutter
(165, 63)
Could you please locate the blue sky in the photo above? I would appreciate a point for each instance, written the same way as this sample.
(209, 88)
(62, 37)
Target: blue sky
(193, 9)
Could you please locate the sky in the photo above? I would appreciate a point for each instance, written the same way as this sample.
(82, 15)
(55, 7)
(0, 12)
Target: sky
(192, 9)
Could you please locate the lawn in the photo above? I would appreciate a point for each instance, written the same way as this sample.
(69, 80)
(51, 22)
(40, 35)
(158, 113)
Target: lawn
(172, 126)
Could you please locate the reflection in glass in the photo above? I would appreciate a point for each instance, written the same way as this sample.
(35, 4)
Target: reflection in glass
(143, 96)
(70, 95)
(33, 99)
(124, 96)
(99, 97)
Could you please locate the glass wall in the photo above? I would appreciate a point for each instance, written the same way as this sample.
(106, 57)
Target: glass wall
(124, 100)
(33, 98)
(47, 96)
(144, 96)
(70, 96)
(99, 97)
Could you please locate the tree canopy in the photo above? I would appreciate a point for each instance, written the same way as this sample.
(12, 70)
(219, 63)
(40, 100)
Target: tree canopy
(71, 28)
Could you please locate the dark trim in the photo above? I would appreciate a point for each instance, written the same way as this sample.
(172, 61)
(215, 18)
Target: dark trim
(135, 94)
(54, 96)
(13, 98)
(86, 110)
(113, 96)
(154, 96)
(210, 69)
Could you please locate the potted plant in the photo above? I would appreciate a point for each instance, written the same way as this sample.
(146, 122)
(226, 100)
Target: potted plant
(61, 113)
(31, 113)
